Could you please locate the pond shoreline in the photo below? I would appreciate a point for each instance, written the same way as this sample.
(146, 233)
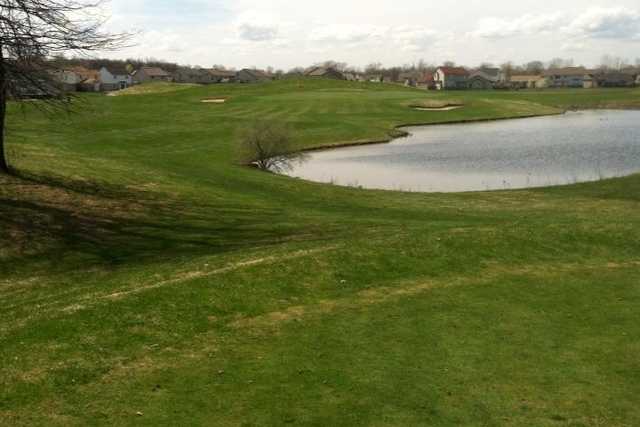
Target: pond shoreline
(401, 133)
(538, 135)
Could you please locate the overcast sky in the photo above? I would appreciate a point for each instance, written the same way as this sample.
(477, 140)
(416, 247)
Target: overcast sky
(287, 33)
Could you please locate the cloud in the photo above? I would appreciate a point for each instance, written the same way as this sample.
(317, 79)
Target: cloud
(156, 14)
(601, 23)
(350, 34)
(495, 28)
(597, 23)
(257, 33)
(415, 39)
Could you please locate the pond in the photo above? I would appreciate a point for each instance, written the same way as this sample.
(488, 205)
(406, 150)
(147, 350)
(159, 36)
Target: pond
(508, 154)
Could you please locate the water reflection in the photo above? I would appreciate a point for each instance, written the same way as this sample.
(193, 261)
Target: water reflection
(557, 150)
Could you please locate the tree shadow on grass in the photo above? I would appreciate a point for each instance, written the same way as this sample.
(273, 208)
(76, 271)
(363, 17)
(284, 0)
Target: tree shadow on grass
(56, 224)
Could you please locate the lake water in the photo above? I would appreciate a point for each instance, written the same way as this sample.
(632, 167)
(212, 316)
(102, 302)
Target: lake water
(520, 153)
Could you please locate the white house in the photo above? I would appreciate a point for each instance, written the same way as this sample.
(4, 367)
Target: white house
(114, 78)
(451, 78)
(68, 79)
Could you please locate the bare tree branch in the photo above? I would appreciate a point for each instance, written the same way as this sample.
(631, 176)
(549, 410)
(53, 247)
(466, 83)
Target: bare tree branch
(33, 31)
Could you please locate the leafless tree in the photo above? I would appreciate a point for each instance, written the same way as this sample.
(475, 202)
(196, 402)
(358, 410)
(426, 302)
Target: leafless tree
(34, 31)
(269, 146)
(534, 67)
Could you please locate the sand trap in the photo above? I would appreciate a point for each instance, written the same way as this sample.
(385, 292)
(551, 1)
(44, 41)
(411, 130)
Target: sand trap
(448, 108)
(214, 101)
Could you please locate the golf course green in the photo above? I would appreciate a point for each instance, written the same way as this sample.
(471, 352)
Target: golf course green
(148, 278)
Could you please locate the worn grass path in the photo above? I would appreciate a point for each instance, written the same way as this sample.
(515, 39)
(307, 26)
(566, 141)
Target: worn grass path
(147, 279)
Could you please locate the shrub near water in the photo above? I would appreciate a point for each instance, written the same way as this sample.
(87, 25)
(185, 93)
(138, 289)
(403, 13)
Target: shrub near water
(269, 146)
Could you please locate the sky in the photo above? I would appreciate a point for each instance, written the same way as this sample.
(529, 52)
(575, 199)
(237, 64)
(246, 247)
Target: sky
(287, 33)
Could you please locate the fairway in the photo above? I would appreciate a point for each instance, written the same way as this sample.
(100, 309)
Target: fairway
(148, 278)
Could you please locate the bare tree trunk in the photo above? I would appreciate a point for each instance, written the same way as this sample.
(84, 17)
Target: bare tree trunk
(4, 164)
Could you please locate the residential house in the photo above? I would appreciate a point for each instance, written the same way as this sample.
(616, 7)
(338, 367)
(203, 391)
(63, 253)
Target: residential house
(409, 79)
(221, 76)
(352, 77)
(418, 79)
(67, 79)
(114, 78)
(614, 79)
(374, 78)
(480, 82)
(252, 76)
(426, 82)
(448, 78)
(451, 78)
(77, 78)
(527, 81)
(638, 80)
(486, 78)
(325, 73)
(151, 74)
(566, 77)
(192, 75)
(590, 81)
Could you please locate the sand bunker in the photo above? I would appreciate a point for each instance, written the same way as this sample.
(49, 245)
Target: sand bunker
(214, 101)
(448, 108)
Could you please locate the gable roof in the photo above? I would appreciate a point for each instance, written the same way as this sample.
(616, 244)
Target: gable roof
(454, 71)
(568, 71)
(84, 73)
(154, 72)
(482, 73)
(526, 77)
(259, 74)
(321, 71)
(490, 71)
(221, 73)
(117, 70)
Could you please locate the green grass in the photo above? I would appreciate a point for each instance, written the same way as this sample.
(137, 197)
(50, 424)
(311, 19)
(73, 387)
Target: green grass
(147, 279)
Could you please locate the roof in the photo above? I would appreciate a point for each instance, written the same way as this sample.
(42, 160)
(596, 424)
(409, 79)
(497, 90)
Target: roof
(454, 71)
(526, 77)
(490, 71)
(487, 74)
(568, 71)
(482, 76)
(260, 74)
(117, 70)
(84, 73)
(155, 72)
(615, 75)
(221, 73)
(321, 71)
(426, 78)
(192, 71)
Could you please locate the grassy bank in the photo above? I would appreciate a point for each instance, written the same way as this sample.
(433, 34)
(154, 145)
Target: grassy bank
(146, 278)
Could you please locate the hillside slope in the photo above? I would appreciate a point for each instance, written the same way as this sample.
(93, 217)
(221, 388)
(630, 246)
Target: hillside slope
(147, 278)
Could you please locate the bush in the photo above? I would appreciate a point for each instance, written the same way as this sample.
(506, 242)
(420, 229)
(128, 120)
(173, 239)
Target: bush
(269, 147)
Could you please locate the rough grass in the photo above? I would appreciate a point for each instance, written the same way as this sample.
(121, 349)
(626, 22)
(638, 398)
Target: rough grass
(145, 278)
